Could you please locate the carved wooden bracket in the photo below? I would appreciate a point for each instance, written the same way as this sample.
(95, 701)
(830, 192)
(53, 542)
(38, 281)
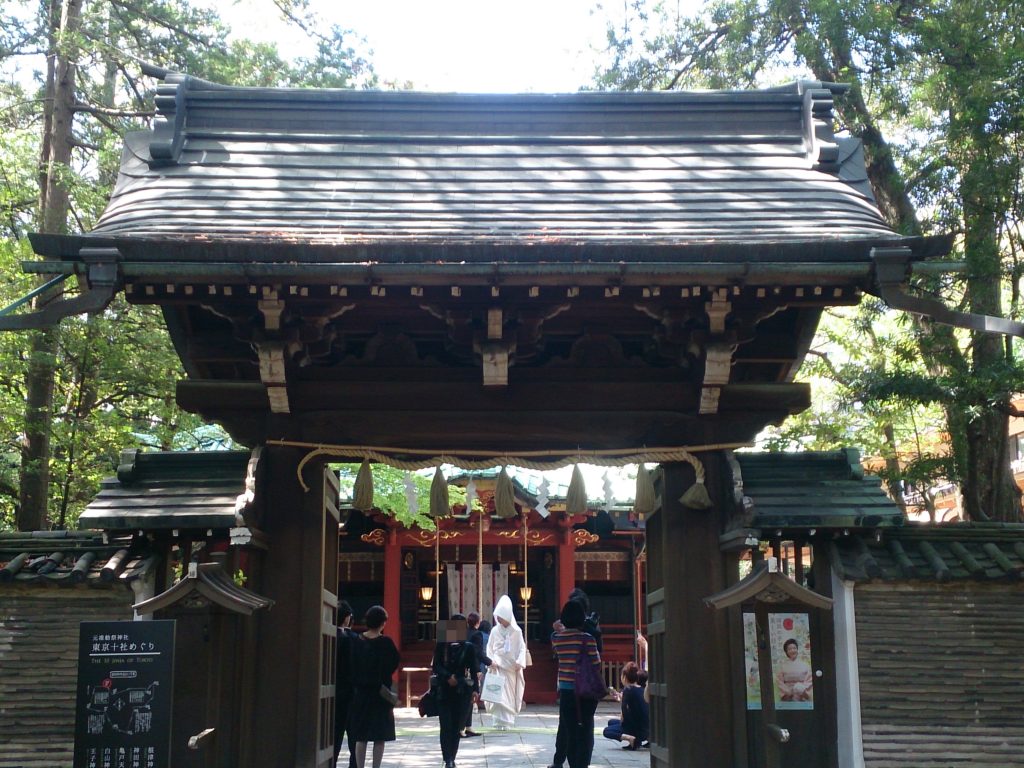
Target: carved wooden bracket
(375, 537)
(272, 308)
(581, 537)
(423, 538)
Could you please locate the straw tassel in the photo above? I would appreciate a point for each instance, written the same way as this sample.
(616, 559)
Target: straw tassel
(362, 491)
(646, 498)
(504, 496)
(440, 506)
(576, 498)
(697, 496)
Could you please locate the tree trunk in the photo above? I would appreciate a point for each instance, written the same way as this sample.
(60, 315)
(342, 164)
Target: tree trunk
(55, 205)
(980, 443)
(893, 470)
(989, 490)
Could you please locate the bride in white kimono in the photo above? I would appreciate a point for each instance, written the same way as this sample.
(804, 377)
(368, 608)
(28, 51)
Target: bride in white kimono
(507, 650)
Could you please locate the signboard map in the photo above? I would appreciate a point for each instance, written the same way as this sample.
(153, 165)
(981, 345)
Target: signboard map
(123, 707)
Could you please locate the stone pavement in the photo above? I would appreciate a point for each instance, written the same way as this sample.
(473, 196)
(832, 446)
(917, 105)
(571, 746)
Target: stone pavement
(529, 745)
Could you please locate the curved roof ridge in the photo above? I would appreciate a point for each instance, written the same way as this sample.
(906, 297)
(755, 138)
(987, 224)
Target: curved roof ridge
(713, 176)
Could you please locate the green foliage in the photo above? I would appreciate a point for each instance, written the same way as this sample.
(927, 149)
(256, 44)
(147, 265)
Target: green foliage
(116, 370)
(871, 392)
(335, 64)
(937, 98)
(389, 492)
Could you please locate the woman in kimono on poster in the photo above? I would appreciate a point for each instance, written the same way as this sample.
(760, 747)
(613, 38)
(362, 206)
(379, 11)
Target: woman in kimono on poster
(794, 679)
(507, 650)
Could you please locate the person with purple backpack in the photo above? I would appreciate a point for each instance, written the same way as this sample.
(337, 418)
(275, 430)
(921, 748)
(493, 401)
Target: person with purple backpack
(592, 626)
(575, 713)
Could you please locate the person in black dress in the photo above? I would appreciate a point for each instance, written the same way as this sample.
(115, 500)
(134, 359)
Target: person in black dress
(374, 661)
(476, 637)
(455, 666)
(343, 682)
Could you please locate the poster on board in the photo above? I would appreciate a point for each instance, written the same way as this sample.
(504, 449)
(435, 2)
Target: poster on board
(751, 670)
(789, 636)
(123, 705)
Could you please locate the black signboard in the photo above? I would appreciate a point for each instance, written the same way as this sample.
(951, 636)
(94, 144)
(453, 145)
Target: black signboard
(123, 710)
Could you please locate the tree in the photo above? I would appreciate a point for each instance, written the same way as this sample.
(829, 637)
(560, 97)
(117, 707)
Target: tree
(944, 81)
(390, 495)
(900, 437)
(84, 387)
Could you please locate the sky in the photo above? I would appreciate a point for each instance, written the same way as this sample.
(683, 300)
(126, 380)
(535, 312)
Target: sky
(479, 45)
(475, 46)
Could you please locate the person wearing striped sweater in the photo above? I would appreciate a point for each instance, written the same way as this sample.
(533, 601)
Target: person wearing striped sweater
(575, 716)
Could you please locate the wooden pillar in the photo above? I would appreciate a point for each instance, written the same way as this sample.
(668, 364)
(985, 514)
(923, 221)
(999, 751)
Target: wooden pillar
(691, 651)
(566, 566)
(393, 585)
(638, 611)
(287, 668)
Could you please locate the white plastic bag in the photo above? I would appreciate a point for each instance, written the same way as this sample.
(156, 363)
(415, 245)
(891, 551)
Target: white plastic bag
(493, 687)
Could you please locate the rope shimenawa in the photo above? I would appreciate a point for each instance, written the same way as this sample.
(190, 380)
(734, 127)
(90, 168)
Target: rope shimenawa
(487, 459)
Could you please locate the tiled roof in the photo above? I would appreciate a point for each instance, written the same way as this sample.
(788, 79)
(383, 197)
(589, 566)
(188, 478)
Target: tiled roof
(166, 489)
(69, 557)
(929, 552)
(814, 489)
(361, 169)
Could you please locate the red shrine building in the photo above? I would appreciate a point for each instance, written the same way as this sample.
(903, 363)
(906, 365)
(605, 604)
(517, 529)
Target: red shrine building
(535, 559)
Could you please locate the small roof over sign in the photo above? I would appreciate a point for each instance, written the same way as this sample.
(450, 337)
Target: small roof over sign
(209, 582)
(767, 585)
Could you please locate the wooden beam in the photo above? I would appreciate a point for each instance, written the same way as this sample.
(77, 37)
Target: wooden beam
(709, 400)
(521, 416)
(717, 369)
(468, 396)
(495, 364)
(274, 376)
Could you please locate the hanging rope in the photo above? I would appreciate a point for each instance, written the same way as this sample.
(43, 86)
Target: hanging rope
(504, 496)
(645, 499)
(440, 506)
(576, 496)
(362, 492)
(539, 460)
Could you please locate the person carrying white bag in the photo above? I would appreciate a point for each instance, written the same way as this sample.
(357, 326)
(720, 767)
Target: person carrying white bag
(504, 684)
